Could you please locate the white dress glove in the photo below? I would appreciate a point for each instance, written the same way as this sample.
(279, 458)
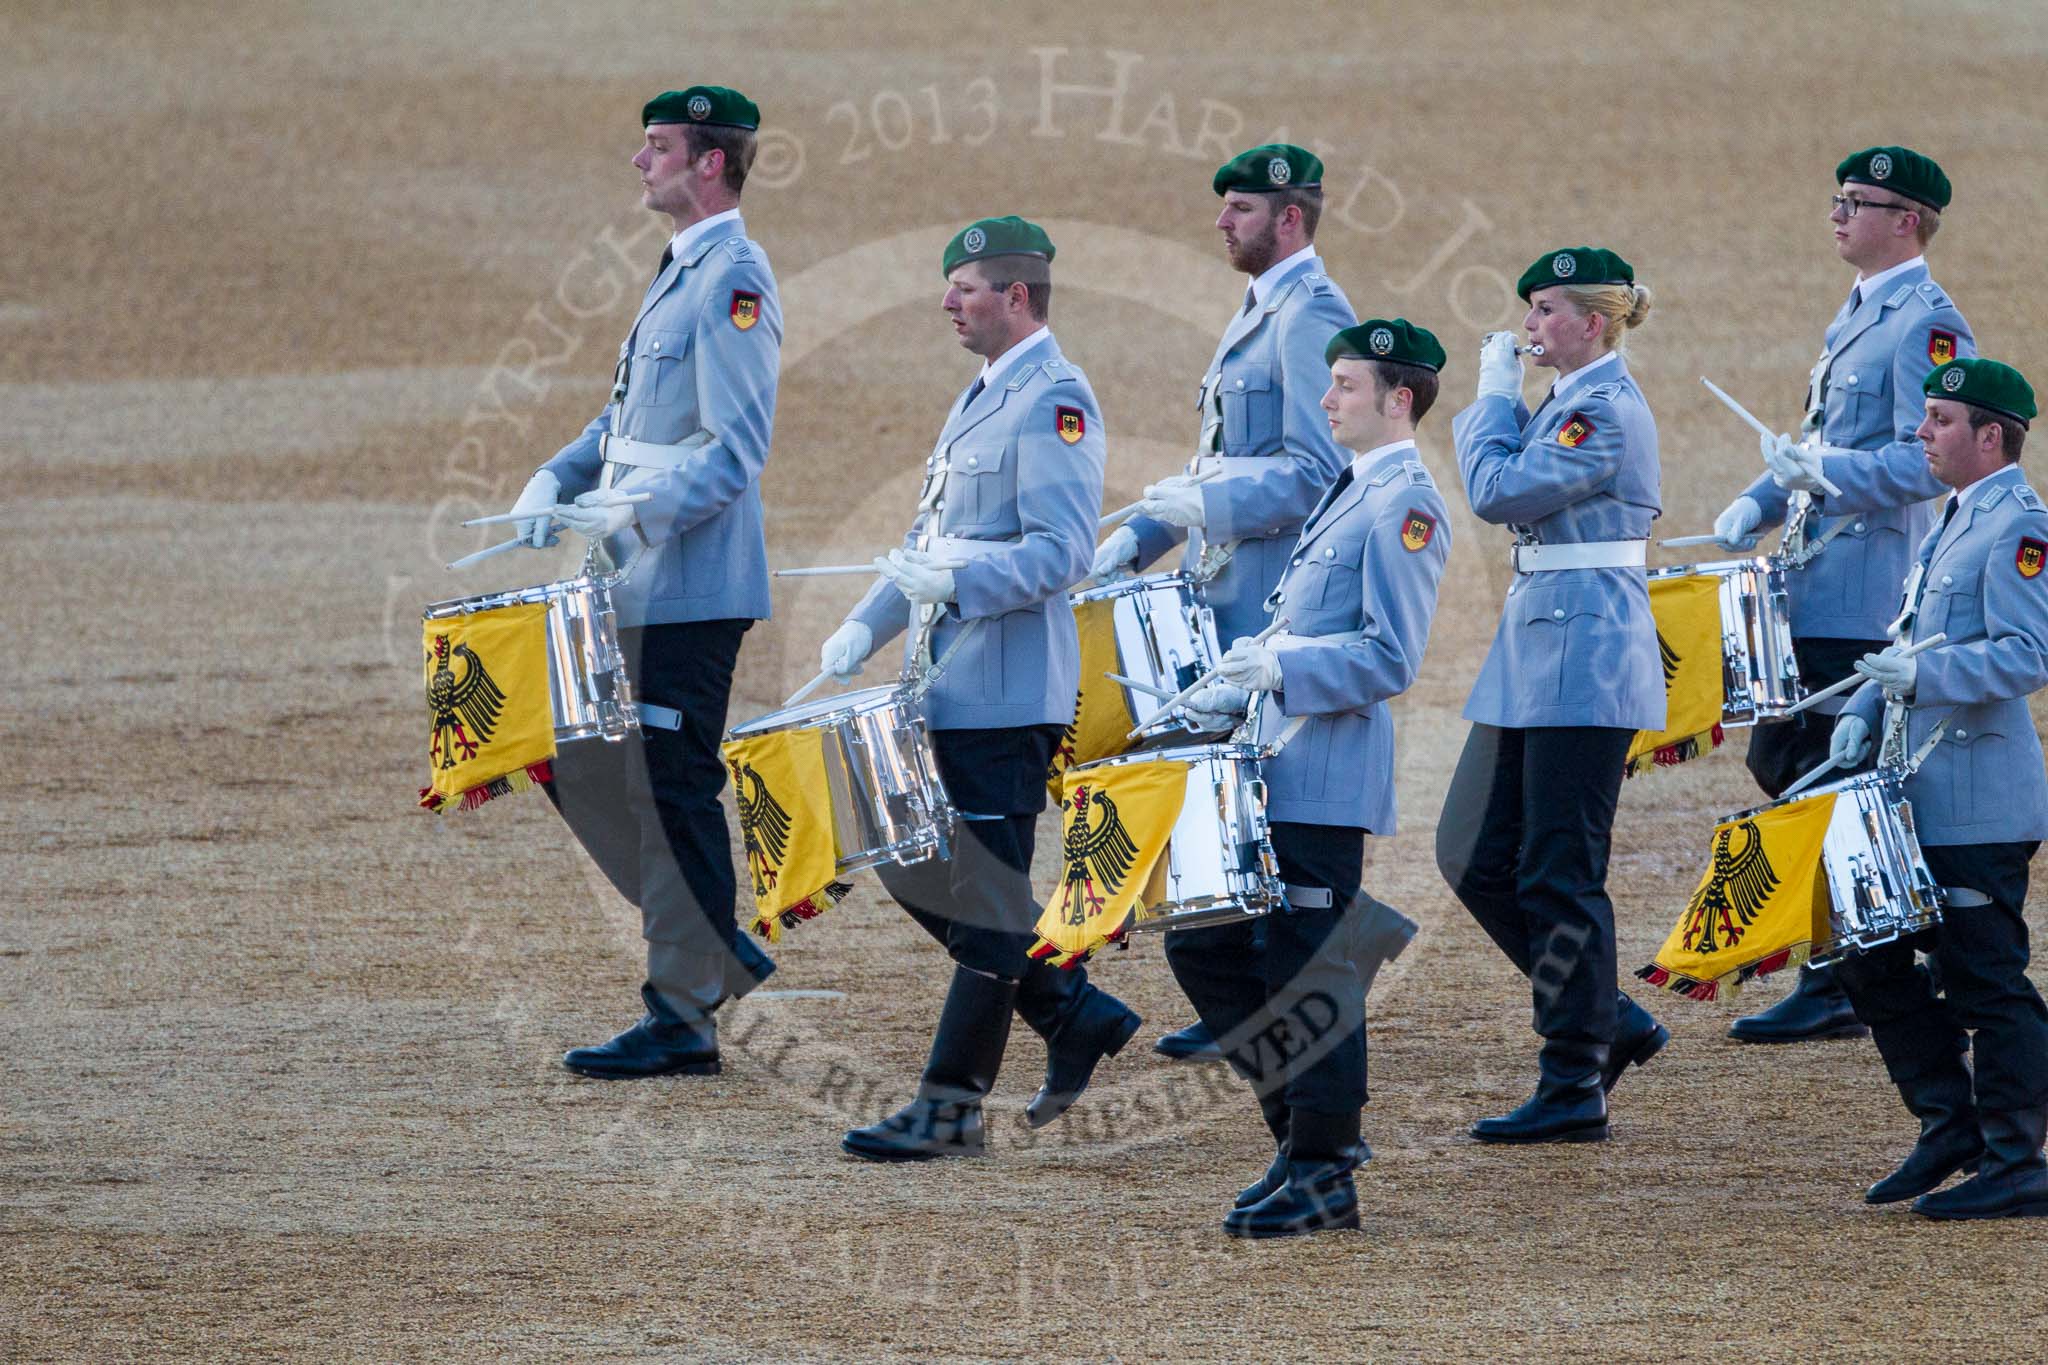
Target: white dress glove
(539, 495)
(1794, 467)
(914, 574)
(1217, 706)
(1894, 670)
(1850, 741)
(1176, 500)
(1251, 666)
(1500, 370)
(1734, 527)
(1117, 556)
(846, 650)
(596, 515)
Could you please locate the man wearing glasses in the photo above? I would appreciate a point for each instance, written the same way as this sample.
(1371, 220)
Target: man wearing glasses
(1864, 403)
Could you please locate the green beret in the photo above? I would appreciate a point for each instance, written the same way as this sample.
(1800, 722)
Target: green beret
(707, 104)
(1006, 236)
(1274, 166)
(1900, 169)
(1983, 384)
(1575, 265)
(1395, 339)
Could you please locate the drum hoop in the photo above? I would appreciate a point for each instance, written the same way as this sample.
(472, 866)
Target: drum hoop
(595, 586)
(856, 703)
(1891, 781)
(1124, 587)
(1183, 753)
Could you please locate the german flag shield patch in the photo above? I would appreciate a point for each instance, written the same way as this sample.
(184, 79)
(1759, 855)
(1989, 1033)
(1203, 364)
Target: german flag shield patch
(1416, 530)
(746, 309)
(1941, 346)
(1071, 424)
(2030, 558)
(1574, 432)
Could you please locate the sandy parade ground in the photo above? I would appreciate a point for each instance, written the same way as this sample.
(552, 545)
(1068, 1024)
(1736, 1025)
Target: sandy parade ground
(291, 290)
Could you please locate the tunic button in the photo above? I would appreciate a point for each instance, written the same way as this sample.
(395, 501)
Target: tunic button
(974, 462)
(1852, 379)
(1240, 383)
(1962, 734)
(1329, 552)
(1557, 612)
(655, 347)
(1278, 598)
(1859, 528)
(941, 504)
(1297, 559)
(1946, 579)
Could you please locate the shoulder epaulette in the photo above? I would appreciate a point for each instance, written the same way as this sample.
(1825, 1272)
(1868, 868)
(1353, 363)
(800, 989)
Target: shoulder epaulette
(1933, 295)
(739, 248)
(1605, 391)
(1418, 473)
(1024, 372)
(2025, 496)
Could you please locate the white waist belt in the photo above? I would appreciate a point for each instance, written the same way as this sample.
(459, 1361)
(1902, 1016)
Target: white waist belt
(1599, 554)
(962, 547)
(646, 454)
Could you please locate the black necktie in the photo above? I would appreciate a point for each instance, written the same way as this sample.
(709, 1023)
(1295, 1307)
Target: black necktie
(973, 392)
(668, 253)
(1336, 490)
(1855, 299)
(1948, 514)
(1544, 404)
(1251, 298)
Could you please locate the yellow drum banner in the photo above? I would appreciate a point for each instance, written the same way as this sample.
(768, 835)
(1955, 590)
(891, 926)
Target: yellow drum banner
(491, 723)
(1762, 904)
(1114, 827)
(784, 797)
(1102, 719)
(1688, 615)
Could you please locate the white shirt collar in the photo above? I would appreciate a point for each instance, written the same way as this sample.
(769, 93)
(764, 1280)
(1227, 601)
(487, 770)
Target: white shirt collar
(1263, 284)
(1361, 463)
(1584, 373)
(679, 245)
(1869, 283)
(993, 368)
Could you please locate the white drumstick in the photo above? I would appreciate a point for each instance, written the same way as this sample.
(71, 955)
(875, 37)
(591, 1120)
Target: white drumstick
(1756, 426)
(1803, 783)
(1211, 676)
(1147, 688)
(497, 549)
(1857, 679)
(844, 570)
(1125, 513)
(504, 518)
(808, 688)
(1676, 541)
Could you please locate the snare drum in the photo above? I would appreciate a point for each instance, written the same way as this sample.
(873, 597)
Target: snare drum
(587, 683)
(1759, 675)
(1219, 861)
(1165, 638)
(888, 804)
(1877, 875)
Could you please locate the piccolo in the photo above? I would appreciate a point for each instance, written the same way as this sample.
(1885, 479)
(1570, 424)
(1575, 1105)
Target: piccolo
(1529, 350)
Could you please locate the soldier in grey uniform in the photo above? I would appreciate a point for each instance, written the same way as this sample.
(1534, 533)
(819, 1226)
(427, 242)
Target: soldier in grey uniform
(692, 408)
(1980, 807)
(1359, 593)
(1260, 422)
(1573, 673)
(1863, 406)
(1003, 530)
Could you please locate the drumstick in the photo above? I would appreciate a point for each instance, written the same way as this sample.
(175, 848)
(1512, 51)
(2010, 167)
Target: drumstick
(1857, 679)
(841, 570)
(1803, 783)
(622, 500)
(808, 688)
(497, 549)
(1677, 541)
(1147, 688)
(1758, 427)
(1125, 513)
(1195, 686)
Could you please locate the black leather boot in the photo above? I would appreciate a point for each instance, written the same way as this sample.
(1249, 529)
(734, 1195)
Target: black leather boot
(1637, 1038)
(1950, 1137)
(1274, 1110)
(967, 1050)
(1192, 1044)
(663, 1043)
(1570, 1103)
(1818, 1007)
(1317, 1194)
(2012, 1179)
(1080, 1027)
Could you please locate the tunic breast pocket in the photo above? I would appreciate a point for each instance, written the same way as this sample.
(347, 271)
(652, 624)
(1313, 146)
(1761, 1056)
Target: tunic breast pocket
(1250, 408)
(660, 378)
(1857, 402)
(1950, 604)
(977, 496)
(1332, 583)
(1980, 770)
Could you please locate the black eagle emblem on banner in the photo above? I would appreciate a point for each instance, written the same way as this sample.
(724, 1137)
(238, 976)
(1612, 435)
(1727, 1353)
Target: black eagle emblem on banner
(1098, 857)
(1670, 659)
(1733, 895)
(465, 709)
(764, 826)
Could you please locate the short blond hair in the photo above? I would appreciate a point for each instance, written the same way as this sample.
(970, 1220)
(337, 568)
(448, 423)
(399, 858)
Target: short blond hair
(1625, 306)
(1929, 222)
